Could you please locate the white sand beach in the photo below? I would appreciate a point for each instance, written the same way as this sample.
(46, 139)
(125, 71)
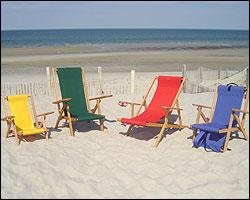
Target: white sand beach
(96, 164)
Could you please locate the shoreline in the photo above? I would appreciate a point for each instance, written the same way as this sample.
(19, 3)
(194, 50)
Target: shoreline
(120, 48)
(23, 59)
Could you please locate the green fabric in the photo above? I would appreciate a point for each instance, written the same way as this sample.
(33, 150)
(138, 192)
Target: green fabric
(90, 116)
(71, 85)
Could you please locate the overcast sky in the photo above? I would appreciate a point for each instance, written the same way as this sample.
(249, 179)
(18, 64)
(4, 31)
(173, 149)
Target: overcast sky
(59, 15)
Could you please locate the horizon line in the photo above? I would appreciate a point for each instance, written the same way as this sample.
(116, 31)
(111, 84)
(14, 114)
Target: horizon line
(226, 29)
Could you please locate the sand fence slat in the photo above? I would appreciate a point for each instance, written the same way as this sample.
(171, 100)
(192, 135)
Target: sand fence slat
(31, 88)
(117, 86)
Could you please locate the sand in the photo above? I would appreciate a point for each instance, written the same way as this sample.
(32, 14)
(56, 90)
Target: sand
(96, 164)
(122, 61)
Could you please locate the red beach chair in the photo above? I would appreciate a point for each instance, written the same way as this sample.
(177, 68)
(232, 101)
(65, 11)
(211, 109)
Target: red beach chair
(164, 101)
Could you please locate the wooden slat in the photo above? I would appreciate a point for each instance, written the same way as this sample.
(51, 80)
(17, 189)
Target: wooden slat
(241, 126)
(214, 103)
(233, 129)
(147, 93)
(85, 88)
(34, 110)
(167, 126)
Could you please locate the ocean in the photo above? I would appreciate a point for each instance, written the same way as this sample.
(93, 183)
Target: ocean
(135, 39)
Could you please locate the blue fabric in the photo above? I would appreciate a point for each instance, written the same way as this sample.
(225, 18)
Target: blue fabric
(212, 141)
(215, 141)
(200, 139)
(229, 97)
(211, 127)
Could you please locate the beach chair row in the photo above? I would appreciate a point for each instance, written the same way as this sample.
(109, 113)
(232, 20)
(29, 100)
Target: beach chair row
(74, 105)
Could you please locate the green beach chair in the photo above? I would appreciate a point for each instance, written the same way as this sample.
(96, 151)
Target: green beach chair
(74, 105)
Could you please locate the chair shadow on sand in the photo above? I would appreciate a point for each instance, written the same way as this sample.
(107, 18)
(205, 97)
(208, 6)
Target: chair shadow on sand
(233, 135)
(84, 126)
(33, 138)
(148, 133)
(80, 127)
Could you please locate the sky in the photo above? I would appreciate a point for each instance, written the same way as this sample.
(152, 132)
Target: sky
(130, 14)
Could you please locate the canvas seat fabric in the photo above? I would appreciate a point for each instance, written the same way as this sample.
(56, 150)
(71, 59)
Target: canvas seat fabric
(19, 108)
(165, 93)
(71, 85)
(229, 97)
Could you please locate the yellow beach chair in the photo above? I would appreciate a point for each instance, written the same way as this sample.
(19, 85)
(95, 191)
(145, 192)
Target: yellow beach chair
(20, 120)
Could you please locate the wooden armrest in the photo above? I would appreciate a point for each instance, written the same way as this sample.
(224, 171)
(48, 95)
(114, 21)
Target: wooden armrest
(128, 102)
(118, 119)
(62, 101)
(170, 108)
(209, 107)
(43, 114)
(7, 118)
(100, 97)
(238, 110)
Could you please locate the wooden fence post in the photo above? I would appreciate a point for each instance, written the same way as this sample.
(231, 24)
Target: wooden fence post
(219, 73)
(48, 80)
(99, 70)
(200, 75)
(184, 70)
(132, 81)
(200, 79)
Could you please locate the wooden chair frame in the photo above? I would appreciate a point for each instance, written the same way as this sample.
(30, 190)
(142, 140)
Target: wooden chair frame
(10, 120)
(166, 124)
(133, 104)
(63, 106)
(229, 129)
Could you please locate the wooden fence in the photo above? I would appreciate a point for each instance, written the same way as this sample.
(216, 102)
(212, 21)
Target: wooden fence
(129, 85)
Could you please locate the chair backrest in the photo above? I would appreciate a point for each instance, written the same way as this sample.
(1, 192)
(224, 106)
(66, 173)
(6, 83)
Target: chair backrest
(72, 86)
(166, 93)
(228, 98)
(20, 109)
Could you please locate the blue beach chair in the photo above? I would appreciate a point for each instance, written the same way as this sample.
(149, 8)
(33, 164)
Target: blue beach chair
(224, 117)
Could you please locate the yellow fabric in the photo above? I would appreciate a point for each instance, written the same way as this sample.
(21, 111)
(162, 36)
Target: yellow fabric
(19, 108)
(32, 131)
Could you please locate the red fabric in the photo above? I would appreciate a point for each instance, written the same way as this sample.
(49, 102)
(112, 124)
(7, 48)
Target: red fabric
(165, 93)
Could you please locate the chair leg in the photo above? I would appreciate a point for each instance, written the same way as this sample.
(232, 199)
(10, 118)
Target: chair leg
(159, 136)
(47, 135)
(98, 106)
(198, 115)
(8, 129)
(59, 118)
(20, 139)
(101, 125)
(241, 126)
(95, 108)
(71, 130)
(179, 113)
(194, 134)
(129, 129)
(17, 139)
(228, 133)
